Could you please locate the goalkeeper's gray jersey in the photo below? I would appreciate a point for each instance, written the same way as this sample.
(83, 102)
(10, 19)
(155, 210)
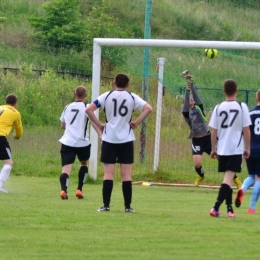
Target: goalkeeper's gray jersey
(195, 116)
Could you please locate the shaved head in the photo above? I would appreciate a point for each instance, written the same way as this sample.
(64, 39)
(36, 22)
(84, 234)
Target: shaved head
(80, 92)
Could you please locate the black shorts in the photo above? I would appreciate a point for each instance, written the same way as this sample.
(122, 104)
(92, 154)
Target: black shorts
(201, 145)
(230, 163)
(253, 166)
(117, 153)
(69, 153)
(5, 150)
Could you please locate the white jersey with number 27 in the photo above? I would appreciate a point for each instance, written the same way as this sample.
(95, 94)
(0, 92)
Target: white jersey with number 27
(229, 118)
(119, 106)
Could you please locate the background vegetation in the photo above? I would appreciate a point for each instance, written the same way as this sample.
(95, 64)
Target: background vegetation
(169, 223)
(40, 35)
(32, 28)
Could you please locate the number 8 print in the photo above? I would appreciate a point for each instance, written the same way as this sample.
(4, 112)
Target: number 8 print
(257, 126)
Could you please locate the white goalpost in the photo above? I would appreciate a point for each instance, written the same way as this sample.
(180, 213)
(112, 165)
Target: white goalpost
(160, 64)
(98, 43)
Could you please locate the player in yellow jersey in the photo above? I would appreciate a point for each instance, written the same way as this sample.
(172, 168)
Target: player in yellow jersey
(9, 118)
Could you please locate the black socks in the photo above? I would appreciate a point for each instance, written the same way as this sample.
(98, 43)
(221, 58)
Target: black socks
(200, 171)
(107, 191)
(127, 193)
(64, 181)
(82, 175)
(229, 201)
(223, 194)
(126, 189)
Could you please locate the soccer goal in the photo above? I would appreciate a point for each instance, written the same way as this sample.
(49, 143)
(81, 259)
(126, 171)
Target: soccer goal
(172, 45)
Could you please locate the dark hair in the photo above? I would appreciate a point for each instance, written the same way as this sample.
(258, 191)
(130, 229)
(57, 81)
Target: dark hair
(121, 80)
(258, 95)
(230, 87)
(11, 99)
(80, 91)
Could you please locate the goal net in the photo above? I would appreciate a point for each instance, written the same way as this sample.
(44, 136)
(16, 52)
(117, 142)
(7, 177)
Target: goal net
(167, 150)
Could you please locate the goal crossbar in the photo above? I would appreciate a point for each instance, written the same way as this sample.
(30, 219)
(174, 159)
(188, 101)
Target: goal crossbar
(177, 43)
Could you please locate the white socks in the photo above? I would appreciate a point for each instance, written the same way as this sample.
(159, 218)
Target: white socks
(4, 174)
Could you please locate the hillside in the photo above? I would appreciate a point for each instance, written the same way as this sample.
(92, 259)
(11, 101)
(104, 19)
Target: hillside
(171, 19)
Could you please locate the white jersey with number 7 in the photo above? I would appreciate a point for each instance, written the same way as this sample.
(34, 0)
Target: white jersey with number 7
(76, 120)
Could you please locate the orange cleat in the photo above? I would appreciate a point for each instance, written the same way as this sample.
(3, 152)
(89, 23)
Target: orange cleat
(239, 197)
(79, 194)
(64, 195)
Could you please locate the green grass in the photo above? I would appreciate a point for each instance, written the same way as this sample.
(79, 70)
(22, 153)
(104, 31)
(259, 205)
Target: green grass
(169, 223)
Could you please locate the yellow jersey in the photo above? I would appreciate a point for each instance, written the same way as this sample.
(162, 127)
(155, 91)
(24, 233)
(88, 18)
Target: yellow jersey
(9, 118)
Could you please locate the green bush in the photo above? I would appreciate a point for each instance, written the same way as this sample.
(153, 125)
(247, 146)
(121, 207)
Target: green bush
(61, 26)
(41, 100)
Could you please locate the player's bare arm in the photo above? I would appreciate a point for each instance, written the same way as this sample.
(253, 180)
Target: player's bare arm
(62, 125)
(213, 153)
(246, 133)
(90, 110)
(98, 130)
(147, 110)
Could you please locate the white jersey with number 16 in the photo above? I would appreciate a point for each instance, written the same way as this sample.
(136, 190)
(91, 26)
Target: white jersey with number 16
(119, 106)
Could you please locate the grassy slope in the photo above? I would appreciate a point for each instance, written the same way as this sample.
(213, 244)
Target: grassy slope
(198, 20)
(186, 19)
(171, 19)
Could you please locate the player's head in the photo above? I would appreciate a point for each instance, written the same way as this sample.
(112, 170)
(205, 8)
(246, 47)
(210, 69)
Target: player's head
(121, 80)
(80, 93)
(257, 96)
(230, 87)
(192, 102)
(11, 100)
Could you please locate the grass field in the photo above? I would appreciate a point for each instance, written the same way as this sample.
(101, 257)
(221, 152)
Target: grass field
(169, 223)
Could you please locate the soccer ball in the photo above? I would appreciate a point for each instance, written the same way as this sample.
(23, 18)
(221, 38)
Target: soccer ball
(211, 53)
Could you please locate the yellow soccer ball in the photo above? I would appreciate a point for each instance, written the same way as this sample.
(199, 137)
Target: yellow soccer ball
(211, 53)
